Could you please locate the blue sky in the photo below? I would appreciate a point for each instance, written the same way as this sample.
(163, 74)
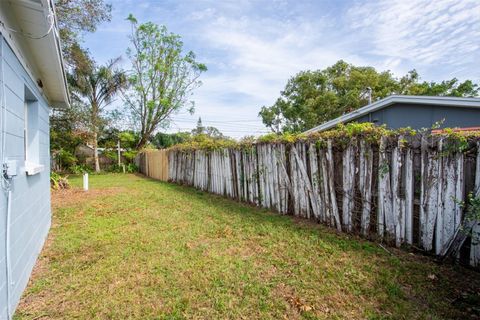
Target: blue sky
(252, 48)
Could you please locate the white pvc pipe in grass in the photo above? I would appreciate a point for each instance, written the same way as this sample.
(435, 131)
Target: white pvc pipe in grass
(85, 181)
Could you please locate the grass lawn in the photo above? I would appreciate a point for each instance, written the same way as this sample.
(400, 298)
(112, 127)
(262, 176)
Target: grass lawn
(134, 248)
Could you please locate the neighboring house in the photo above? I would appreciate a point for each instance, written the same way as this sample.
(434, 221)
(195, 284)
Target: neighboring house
(86, 151)
(32, 79)
(416, 112)
(86, 155)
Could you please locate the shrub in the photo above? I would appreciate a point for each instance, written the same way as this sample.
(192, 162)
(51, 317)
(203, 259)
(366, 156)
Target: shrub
(65, 158)
(129, 155)
(58, 182)
(80, 169)
(129, 168)
(111, 154)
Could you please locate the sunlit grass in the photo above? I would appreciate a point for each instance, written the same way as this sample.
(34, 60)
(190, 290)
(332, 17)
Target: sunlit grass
(137, 248)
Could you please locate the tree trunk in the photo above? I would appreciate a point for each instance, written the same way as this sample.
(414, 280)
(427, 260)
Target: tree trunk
(142, 142)
(95, 152)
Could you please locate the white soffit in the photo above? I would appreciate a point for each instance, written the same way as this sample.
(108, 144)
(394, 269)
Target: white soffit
(33, 19)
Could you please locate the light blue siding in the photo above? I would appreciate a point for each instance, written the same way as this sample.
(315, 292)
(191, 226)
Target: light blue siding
(31, 213)
(14, 124)
(12, 70)
(419, 116)
(14, 102)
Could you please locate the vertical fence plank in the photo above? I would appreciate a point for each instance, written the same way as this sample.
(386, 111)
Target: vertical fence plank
(284, 180)
(331, 186)
(238, 174)
(385, 210)
(450, 212)
(255, 183)
(429, 195)
(294, 180)
(409, 196)
(365, 184)
(302, 179)
(440, 186)
(325, 188)
(475, 242)
(348, 175)
(397, 217)
(273, 174)
(317, 207)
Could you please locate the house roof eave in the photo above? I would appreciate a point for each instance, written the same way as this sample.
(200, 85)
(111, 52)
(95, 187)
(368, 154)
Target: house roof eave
(40, 54)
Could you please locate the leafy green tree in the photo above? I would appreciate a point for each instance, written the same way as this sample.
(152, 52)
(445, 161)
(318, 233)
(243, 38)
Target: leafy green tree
(214, 133)
(128, 140)
(162, 77)
(63, 138)
(199, 129)
(66, 134)
(314, 97)
(111, 135)
(62, 129)
(165, 140)
(452, 87)
(76, 17)
(92, 90)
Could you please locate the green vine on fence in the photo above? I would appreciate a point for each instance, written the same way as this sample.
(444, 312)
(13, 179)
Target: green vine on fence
(472, 205)
(471, 208)
(341, 136)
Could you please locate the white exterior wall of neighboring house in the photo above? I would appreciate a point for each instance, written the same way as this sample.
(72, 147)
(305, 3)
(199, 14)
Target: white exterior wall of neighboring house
(24, 139)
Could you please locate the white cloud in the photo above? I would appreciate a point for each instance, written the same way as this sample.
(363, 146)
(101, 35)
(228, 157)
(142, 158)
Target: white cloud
(421, 33)
(252, 47)
(257, 55)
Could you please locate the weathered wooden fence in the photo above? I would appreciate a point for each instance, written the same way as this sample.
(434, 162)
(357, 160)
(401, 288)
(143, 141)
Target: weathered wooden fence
(398, 191)
(154, 164)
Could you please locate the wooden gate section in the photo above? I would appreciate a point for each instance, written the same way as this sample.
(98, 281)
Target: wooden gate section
(154, 164)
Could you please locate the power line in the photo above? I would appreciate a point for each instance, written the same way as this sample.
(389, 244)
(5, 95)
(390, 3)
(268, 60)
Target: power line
(216, 121)
(220, 124)
(232, 130)
(232, 126)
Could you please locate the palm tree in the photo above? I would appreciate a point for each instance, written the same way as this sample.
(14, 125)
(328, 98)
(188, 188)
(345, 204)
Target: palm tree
(93, 88)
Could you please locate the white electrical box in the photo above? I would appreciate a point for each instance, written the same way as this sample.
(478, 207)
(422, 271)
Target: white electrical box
(10, 168)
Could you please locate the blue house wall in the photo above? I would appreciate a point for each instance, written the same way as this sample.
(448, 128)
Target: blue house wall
(418, 116)
(30, 211)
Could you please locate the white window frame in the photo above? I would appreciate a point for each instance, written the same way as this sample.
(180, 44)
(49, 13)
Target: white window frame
(32, 162)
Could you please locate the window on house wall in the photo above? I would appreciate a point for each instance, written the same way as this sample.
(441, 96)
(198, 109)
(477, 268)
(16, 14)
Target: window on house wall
(31, 134)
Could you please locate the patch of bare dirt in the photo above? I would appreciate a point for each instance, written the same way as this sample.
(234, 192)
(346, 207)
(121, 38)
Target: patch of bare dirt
(66, 197)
